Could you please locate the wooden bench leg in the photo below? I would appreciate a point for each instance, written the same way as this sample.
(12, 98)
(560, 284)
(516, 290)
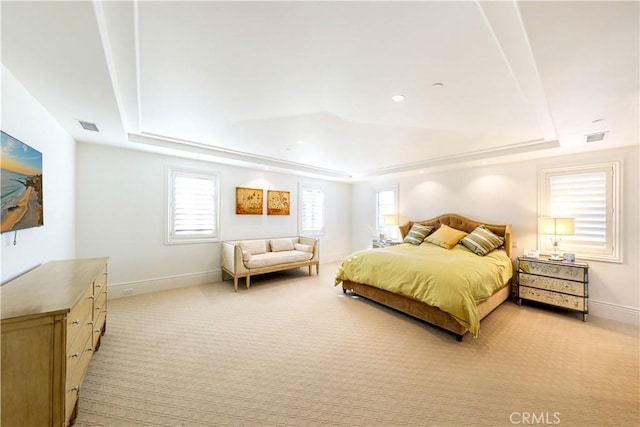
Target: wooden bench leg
(318, 269)
(235, 284)
(248, 281)
(309, 269)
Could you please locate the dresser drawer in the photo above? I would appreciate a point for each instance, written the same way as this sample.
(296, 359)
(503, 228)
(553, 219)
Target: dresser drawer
(81, 313)
(98, 327)
(557, 270)
(100, 306)
(553, 284)
(553, 298)
(74, 382)
(100, 283)
(81, 345)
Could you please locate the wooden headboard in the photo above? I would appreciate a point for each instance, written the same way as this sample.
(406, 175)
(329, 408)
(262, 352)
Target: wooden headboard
(460, 222)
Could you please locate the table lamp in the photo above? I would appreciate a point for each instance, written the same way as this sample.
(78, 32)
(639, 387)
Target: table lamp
(556, 226)
(390, 221)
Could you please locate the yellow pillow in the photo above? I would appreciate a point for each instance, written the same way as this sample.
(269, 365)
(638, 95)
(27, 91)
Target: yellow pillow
(445, 236)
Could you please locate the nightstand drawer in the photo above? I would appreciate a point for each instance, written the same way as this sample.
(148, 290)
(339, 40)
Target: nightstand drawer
(553, 269)
(548, 297)
(553, 284)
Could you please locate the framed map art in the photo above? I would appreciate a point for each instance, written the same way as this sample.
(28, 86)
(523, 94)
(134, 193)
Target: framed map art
(278, 202)
(248, 201)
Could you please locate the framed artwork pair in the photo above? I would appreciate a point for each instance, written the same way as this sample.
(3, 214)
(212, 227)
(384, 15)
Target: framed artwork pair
(249, 201)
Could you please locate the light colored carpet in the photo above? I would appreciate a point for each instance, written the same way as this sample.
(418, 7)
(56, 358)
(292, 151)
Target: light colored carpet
(293, 350)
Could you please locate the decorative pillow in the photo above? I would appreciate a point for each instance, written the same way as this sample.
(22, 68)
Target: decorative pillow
(254, 247)
(303, 248)
(481, 241)
(445, 236)
(418, 232)
(278, 245)
(246, 256)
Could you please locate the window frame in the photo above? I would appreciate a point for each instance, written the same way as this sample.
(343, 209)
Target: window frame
(613, 210)
(311, 232)
(380, 227)
(170, 237)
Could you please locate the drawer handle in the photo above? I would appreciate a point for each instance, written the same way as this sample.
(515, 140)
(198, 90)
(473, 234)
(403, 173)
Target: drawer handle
(97, 330)
(90, 322)
(89, 349)
(98, 286)
(76, 354)
(90, 297)
(75, 388)
(97, 308)
(76, 322)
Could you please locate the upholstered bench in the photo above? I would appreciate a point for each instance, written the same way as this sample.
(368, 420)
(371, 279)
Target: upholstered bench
(246, 258)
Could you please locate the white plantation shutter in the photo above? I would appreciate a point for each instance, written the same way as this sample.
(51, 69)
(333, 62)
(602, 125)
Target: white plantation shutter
(193, 206)
(387, 204)
(590, 195)
(311, 219)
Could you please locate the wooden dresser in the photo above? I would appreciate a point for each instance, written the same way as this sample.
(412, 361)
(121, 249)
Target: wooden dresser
(52, 320)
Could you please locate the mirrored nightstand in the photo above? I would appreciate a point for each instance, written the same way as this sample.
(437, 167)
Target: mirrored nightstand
(557, 283)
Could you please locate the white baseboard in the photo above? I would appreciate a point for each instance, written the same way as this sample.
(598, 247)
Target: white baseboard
(619, 313)
(120, 290)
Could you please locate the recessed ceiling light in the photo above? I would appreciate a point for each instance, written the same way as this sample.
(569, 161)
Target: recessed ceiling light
(397, 98)
(438, 84)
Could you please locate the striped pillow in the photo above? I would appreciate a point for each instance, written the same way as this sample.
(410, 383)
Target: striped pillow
(481, 241)
(418, 232)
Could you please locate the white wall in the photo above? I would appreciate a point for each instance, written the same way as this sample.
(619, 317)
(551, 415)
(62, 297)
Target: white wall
(25, 119)
(122, 214)
(507, 193)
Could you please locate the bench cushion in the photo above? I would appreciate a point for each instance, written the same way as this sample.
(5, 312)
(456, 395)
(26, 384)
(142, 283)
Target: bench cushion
(278, 245)
(254, 247)
(303, 248)
(277, 258)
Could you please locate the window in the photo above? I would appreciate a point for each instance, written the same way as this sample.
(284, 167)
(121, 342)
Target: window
(387, 204)
(193, 206)
(311, 211)
(590, 194)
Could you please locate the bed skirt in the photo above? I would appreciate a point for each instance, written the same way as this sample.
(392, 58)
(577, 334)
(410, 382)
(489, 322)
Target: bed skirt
(425, 312)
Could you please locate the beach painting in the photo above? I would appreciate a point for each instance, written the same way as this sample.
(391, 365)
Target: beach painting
(20, 185)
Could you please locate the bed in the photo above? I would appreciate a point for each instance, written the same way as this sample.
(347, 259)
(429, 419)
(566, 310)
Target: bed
(453, 287)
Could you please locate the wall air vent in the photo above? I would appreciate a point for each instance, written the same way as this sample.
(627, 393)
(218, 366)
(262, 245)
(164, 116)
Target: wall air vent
(89, 126)
(595, 137)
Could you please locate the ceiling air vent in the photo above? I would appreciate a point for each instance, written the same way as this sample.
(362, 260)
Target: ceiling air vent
(595, 137)
(88, 126)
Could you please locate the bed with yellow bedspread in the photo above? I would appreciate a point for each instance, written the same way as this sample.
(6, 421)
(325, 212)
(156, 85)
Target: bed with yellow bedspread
(451, 288)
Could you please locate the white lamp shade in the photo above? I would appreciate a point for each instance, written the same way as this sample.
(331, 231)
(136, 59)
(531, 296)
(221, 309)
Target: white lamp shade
(557, 226)
(390, 219)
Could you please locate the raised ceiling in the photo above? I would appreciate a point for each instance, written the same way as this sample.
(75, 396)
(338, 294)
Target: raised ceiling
(306, 86)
